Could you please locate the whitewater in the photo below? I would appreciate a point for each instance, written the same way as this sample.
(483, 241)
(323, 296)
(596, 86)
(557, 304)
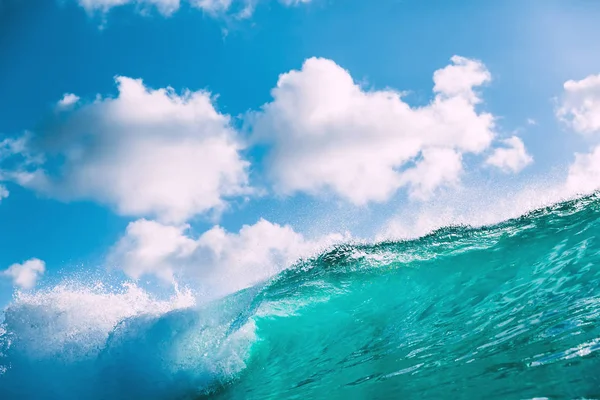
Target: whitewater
(510, 310)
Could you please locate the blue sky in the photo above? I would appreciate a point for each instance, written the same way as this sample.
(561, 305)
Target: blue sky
(312, 179)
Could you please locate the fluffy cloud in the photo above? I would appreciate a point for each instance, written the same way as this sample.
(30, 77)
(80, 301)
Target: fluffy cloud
(68, 100)
(3, 192)
(168, 7)
(294, 2)
(150, 248)
(25, 275)
(579, 108)
(13, 151)
(221, 262)
(329, 134)
(437, 167)
(146, 153)
(511, 158)
(165, 7)
(584, 173)
(17, 147)
(460, 78)
(212, 6)
(580, 105)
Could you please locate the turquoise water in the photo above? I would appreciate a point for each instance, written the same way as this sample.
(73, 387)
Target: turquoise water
(510, 311)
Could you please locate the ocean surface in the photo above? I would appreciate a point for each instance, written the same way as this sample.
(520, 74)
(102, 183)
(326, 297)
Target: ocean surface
(509, 311)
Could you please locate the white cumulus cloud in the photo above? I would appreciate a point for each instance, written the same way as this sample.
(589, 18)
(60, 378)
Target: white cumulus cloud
(579, 108)
(146, 153)
(294, 2)
(14, 152)
(328, 134)
(212, 6)
(438, 166)
(513, 157)
(580, 105)
(25, 275)
(168, 7)
(220, 261)
(68, 100)
(584, 173)
(4, 193)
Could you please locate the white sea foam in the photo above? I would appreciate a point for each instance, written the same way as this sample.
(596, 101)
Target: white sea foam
(76, 341)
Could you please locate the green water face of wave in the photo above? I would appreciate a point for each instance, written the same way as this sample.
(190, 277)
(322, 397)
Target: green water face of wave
(510, 311)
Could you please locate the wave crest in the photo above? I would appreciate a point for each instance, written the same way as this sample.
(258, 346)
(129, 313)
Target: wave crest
(74, 342)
